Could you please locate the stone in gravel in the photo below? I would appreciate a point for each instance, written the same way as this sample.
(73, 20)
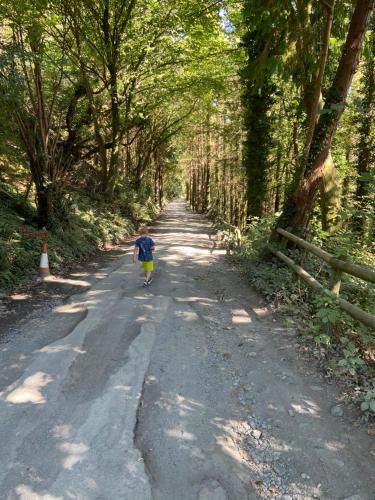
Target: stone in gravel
(316, 388)
(213, 491)
(291, 413)
(256, 434)
(305, 476)
(337, 411)
(354, 497)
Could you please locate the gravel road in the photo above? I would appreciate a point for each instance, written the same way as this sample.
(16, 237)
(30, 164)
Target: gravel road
(187, 390)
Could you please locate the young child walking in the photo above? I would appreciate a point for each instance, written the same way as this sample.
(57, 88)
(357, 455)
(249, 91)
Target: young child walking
(144, 246)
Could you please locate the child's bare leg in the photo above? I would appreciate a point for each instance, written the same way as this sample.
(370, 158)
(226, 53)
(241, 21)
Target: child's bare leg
(148, 275)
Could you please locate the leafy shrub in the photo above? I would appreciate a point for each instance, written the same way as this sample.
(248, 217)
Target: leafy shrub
(89, 225)
(368, 400)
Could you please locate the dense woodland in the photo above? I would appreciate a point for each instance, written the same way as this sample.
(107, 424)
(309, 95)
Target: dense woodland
(260, 112)
(305, 93)
(96, 99)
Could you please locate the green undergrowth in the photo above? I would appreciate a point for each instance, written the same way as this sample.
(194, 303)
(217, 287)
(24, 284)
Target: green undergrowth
(88, 226)
(344, 347)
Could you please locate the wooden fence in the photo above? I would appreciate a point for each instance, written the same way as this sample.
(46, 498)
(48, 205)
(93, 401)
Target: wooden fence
(337, 268)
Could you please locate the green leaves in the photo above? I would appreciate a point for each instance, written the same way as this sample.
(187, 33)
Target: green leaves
(323, 340)
(369, 406)
(328, 315)
(368, 401)
(328, 311)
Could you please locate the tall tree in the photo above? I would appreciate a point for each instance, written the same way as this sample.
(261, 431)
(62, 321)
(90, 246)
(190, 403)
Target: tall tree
(263, 42)
(298, 209)
(36, 102)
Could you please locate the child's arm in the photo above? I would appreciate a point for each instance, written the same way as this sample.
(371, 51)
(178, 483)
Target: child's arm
(135, 253)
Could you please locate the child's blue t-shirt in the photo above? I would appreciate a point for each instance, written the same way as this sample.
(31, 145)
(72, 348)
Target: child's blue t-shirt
(145, 243)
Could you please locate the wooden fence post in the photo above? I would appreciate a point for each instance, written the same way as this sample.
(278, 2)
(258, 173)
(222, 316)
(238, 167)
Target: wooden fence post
(335, 281)
(284, 240)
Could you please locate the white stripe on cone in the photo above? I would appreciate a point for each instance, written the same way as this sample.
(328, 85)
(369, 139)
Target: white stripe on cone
(44, 265)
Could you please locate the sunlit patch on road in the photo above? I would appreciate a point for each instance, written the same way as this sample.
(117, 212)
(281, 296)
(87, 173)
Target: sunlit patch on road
(31, 390)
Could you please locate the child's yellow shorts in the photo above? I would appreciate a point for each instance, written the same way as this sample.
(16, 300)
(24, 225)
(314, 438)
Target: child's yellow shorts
(148, 265)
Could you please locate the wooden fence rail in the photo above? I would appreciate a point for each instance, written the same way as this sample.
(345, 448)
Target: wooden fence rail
(337, 268)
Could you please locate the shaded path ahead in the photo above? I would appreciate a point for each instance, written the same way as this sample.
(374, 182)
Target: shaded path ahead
(186, 390)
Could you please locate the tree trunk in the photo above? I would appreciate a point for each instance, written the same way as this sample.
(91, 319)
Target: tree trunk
(257, 147)
(278, 180)
(44, 199)
(160, 186)
(316, 91)
(330, 197)
(225, 182)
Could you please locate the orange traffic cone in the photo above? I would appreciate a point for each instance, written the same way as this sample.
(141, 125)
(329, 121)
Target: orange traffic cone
(44, 266)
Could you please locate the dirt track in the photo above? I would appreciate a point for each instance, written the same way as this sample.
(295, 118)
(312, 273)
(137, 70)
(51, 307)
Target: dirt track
(186, 390)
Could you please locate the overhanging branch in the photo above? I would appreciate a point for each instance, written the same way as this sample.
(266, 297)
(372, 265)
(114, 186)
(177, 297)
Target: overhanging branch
(327, 4)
